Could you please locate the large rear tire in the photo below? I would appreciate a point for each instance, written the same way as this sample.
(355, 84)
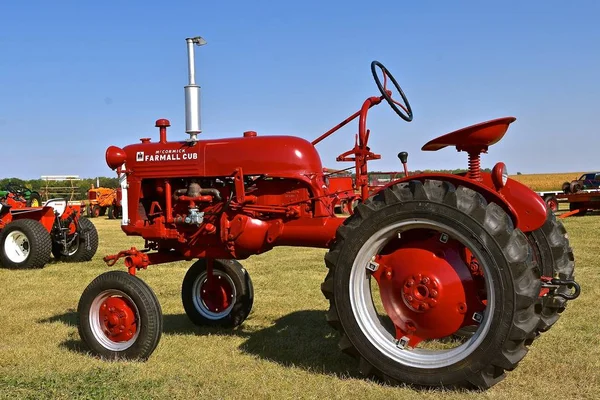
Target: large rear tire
(119, 317)
(82, 248)
(25, 243)
(396, 221)
(551, 248)
(225, 301)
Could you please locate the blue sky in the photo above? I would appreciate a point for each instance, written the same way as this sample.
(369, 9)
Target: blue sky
(76, 77)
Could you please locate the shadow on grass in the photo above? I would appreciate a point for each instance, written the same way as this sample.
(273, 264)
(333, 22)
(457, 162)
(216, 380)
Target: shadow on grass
(301, 339)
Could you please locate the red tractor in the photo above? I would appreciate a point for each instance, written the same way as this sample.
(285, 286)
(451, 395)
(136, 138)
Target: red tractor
(30, 235)
(435, 280)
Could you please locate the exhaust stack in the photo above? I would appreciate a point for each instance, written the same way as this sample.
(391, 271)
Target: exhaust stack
(192, 92)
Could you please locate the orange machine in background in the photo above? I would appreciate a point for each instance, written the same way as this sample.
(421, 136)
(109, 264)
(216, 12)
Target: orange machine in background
(101, 200)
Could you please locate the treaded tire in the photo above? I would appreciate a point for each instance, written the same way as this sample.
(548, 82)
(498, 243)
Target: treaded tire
(551, 248)
(510, 272)
(103, 211)
(111, 212)
(148, 319)
(232, 273)
(39, 244)
(86, 247)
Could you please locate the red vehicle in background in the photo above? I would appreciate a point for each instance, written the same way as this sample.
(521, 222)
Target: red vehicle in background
(30, 235)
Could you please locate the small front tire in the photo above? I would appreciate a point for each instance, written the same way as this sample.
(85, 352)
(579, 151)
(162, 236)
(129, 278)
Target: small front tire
(119, 317)
(226, 301)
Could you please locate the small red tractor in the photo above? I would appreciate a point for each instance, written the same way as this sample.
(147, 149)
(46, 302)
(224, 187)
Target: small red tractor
(435, 280)
(103, 201)
(30, 235)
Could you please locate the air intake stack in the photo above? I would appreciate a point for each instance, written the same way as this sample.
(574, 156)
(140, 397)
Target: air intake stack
(192, 92)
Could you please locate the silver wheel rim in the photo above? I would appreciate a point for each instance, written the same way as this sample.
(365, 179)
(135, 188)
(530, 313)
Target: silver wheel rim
(365, 313)
(17, 246)
(96, 326)
(199, 304)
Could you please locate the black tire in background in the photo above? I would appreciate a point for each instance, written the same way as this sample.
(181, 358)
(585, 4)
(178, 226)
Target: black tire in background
(233, 278)
(132, 293)
(84, 246)
(35, 200)
(504, 252)
(25, 243)
(102, 211)
(554, 255)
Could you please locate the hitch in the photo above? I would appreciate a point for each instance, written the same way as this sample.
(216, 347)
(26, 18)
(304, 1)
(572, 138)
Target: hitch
(571, 285)
(134, 259)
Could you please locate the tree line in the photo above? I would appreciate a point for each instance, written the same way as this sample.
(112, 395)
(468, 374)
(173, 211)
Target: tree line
(48, 189)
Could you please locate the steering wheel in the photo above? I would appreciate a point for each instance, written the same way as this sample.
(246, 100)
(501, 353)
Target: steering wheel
(406, 112)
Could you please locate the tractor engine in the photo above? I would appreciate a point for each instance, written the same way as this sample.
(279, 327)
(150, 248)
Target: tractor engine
(194, 199)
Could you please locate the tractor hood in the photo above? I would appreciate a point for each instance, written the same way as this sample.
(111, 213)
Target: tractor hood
(276, 156)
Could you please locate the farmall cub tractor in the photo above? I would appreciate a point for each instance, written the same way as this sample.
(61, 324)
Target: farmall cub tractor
(435, 280)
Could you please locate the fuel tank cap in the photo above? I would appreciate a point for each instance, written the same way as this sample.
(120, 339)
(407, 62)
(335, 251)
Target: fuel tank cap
(250, 134)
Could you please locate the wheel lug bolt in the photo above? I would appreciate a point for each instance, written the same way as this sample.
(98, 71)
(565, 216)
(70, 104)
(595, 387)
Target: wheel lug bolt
(425, 281)
(433, 293)
(409, 298)
(410, 282)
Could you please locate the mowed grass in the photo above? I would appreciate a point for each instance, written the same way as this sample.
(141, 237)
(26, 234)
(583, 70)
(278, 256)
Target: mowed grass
(285, 350)
(540, 182)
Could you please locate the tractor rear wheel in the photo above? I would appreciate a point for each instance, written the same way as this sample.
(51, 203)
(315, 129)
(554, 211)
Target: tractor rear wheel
(82, 247)
(224, 299)
(555, 257)
(25, 243)
(416, 263)
(103, 211)
(34, 200)
(119, 317)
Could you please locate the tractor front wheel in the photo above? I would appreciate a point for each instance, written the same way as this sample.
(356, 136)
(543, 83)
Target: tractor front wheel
(417, 263)
(81, 247)
(224, 298)
(120, 317)
(95, 211)
(25, 243)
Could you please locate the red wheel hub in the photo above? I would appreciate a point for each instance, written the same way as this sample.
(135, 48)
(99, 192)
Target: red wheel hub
(420, 292)
(216, 293)
(117, 319)
(427, 289)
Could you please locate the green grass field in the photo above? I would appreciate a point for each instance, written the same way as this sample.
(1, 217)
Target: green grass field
(285, 350)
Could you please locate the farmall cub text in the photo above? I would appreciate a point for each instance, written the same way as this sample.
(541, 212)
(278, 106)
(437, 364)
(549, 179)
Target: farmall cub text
(435, 280)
